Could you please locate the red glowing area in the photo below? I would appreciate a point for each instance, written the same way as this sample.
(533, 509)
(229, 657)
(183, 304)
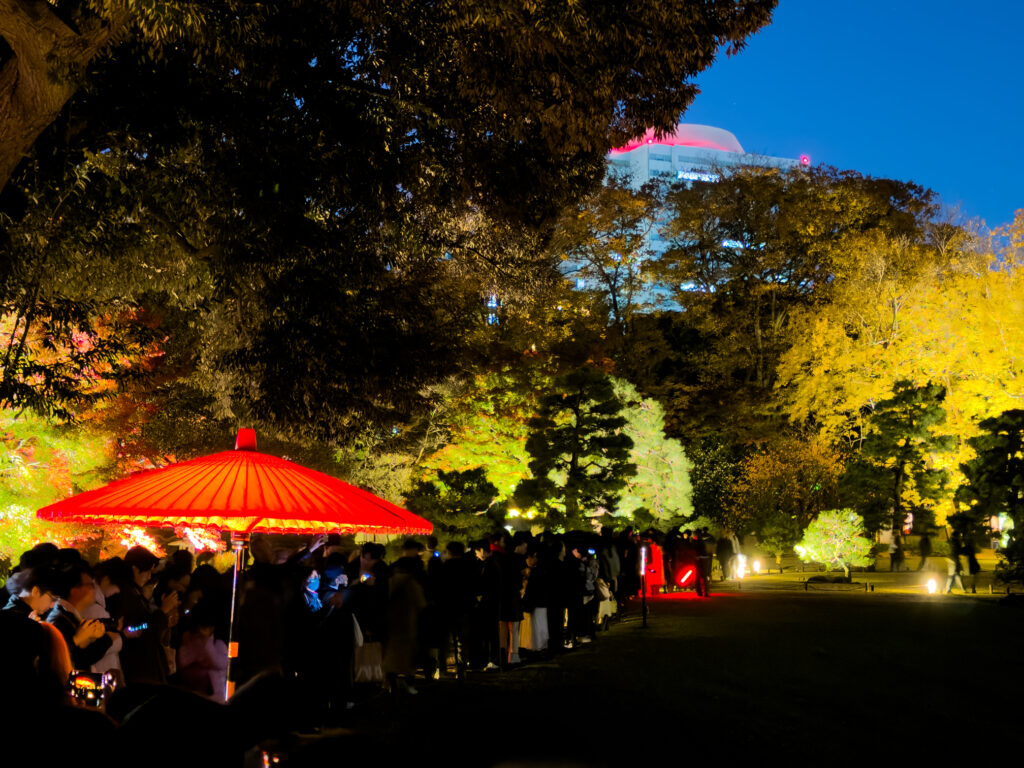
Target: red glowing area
(240, 491)
(690, 594)
(687, 575)
(687, 135)
(805, 159)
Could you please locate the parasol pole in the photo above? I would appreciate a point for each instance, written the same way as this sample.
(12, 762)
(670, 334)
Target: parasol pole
(239, 543)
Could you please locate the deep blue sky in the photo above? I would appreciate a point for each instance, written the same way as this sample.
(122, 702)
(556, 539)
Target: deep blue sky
(930, 91)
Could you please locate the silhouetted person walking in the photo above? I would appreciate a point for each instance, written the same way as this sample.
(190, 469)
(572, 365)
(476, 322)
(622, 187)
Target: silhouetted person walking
(925, 548)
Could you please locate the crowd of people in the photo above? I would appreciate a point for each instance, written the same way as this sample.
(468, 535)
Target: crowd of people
(331, 623)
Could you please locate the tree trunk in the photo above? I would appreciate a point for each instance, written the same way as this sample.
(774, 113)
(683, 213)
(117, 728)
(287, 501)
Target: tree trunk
(45, 69)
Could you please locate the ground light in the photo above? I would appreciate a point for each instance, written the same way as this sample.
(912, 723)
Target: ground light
(757, 567)
(643, 585)
(933, 587)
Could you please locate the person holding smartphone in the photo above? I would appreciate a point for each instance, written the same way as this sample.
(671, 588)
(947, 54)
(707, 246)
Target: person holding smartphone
(88, 639)
(143, 658)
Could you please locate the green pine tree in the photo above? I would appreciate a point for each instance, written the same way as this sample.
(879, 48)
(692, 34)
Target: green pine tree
(579, 452)
(901, 439)
(995, 484)
(661, 484)
(459, 503)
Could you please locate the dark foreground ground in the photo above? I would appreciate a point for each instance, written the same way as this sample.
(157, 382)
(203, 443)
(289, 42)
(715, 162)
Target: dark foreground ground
(770, 677)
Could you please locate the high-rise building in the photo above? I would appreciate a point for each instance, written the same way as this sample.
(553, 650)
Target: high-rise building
(691, 153)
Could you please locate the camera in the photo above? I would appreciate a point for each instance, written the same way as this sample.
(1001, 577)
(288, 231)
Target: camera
(90, 688)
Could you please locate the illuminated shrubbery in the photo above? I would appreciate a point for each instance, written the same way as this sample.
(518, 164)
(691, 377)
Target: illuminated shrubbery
(836, 539)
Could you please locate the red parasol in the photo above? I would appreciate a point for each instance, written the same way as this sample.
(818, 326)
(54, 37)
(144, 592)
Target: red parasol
(239, 491)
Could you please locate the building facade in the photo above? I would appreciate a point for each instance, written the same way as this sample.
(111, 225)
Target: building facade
(691, 153)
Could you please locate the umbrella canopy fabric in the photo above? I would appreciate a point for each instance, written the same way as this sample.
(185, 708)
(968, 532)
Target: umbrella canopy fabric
(241, 491)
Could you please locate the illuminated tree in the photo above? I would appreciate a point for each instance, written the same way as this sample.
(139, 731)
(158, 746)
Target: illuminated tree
(949, 310)
(485, 425)
(781, 488)
(715, 469)
(661, 484)
(579, 453)
(751, 254)
(900, 443)
(995, 483)
(756, 244)
(836, 539)
(41, 463)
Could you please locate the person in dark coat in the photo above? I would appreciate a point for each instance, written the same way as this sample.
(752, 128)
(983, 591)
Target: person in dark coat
(31, 652)
(559, 594)
(87, 639)
(512, 567)
(486, 643)
(368, 591)
(574, 586)
(699, 543)
(406, 600)
(456, 590)
(973, 566)
(143, 658)
(629, 557)
(925, 548)
(725, 554)
(896, 553)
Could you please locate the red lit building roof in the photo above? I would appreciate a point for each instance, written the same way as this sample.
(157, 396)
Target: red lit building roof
(688, 135)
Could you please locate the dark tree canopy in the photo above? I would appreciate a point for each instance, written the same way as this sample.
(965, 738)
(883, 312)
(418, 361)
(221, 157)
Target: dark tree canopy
(458, 503)
(320, 197)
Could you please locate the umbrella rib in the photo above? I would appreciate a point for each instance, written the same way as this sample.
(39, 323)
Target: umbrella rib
(169, 494)
(153, 491)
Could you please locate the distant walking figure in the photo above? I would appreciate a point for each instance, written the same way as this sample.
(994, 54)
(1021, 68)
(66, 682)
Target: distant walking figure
(973, 566)
(925, 548)
(896, 552)
(953, 569)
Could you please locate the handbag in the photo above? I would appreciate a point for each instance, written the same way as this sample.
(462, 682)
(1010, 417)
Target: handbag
(369, 658)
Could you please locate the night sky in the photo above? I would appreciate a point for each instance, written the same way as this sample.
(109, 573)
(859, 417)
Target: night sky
(927, 91)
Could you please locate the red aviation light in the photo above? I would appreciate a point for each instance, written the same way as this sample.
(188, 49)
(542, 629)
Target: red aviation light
(805, 160)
